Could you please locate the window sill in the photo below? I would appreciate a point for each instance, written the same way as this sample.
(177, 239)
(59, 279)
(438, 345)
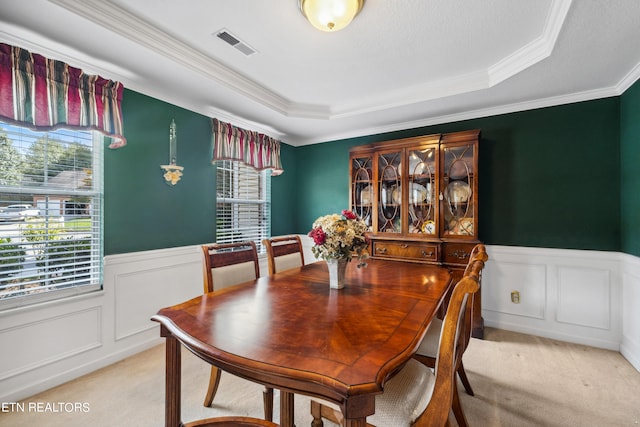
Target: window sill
(49, 299)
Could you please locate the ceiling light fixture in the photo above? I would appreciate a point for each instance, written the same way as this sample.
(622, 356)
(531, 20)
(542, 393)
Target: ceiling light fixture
(330, 15)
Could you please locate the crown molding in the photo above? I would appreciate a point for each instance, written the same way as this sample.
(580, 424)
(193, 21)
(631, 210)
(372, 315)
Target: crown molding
(110, 16)
(536, 50)
(628, 80)
(128, 25)
(33, 42)
(18, 36)
(468, 115)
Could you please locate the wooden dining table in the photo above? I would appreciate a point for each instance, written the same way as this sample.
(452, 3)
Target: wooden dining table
(290, 331)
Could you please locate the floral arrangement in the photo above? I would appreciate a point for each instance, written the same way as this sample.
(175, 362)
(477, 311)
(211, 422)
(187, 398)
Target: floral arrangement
(340, 237)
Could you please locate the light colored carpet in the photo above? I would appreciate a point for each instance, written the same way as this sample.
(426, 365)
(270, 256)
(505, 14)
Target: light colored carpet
(519, 380)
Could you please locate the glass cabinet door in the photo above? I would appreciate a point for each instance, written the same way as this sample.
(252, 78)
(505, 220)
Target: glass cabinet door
(362, 188)
(389, 192)
(422, 190)
(458, 187)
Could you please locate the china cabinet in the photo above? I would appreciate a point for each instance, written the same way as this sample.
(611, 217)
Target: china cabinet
(419, 198)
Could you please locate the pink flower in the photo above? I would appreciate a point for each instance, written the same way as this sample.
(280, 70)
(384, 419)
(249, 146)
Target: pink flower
(349, 214)
(318, 235)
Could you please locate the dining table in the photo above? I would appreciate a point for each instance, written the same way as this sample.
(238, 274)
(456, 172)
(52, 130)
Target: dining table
(292, 332)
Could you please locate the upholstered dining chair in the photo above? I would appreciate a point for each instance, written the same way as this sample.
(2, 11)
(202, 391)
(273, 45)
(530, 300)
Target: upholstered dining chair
(417, 396)
(283, 253)
(227, 264)
(428, 349)
(231, 422)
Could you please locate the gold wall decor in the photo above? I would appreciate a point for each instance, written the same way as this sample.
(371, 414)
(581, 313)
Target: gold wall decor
(172, 172)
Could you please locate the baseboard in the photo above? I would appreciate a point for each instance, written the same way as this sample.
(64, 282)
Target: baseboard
(59, 378)
(555, 335)
(630, 342)
(631, 351)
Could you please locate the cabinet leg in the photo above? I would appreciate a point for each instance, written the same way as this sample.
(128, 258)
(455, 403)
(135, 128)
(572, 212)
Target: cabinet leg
(478, 330)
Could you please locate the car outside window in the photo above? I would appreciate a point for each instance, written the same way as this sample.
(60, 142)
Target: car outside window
(50, 214)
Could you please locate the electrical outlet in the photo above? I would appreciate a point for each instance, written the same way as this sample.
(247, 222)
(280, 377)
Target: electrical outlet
(515, 297)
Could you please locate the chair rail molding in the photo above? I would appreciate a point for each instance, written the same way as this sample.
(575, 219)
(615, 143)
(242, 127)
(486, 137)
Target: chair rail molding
(587, 297)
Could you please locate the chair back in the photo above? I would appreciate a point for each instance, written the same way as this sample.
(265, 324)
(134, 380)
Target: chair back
(233, 422)
(227, 264)
(283, 253)
(478, 253)
(437, 411)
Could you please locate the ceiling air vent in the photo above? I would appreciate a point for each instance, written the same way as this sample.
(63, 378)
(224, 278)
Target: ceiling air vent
(235, 42)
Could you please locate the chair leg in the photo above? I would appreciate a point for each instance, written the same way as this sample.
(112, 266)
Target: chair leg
(316, 413)
(320, 411)
(267, 397)
(457, 407)
(465, 381)
(214, 382)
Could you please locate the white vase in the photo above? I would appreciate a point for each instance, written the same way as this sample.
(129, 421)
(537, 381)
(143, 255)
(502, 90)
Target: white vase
(337, 268)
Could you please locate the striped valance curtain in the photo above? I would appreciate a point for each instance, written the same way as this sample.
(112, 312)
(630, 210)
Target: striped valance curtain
(254, 149)
(44, 94)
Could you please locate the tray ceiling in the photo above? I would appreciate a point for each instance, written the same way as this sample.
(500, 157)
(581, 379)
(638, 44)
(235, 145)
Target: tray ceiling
(398, 65)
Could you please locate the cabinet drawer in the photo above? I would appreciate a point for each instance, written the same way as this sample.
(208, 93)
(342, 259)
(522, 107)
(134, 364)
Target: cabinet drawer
(457, 253)
(406, 250)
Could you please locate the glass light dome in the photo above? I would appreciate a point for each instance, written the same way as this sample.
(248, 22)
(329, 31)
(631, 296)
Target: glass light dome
(330, 15)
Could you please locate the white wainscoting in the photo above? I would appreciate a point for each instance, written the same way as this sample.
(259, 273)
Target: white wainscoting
(580, 296)
(168, 275)
(569, 295)
(47, 344)
(630, 343)
(46, 332)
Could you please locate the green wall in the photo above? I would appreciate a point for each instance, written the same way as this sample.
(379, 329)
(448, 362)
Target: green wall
(630, 169)
(142, 211)
(548, 177)
(284, 194)
(323, 177)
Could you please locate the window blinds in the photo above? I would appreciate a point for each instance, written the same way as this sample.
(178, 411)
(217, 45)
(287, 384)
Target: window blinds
(50, 214)
(243, 203)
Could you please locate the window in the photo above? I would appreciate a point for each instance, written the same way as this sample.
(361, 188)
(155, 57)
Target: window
(50, 214)
(243, 203)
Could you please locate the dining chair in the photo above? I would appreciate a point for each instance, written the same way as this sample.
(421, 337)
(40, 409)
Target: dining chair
(428, 349)
(227, 264)
(283, 253)
(418, 396)
(231, 422)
